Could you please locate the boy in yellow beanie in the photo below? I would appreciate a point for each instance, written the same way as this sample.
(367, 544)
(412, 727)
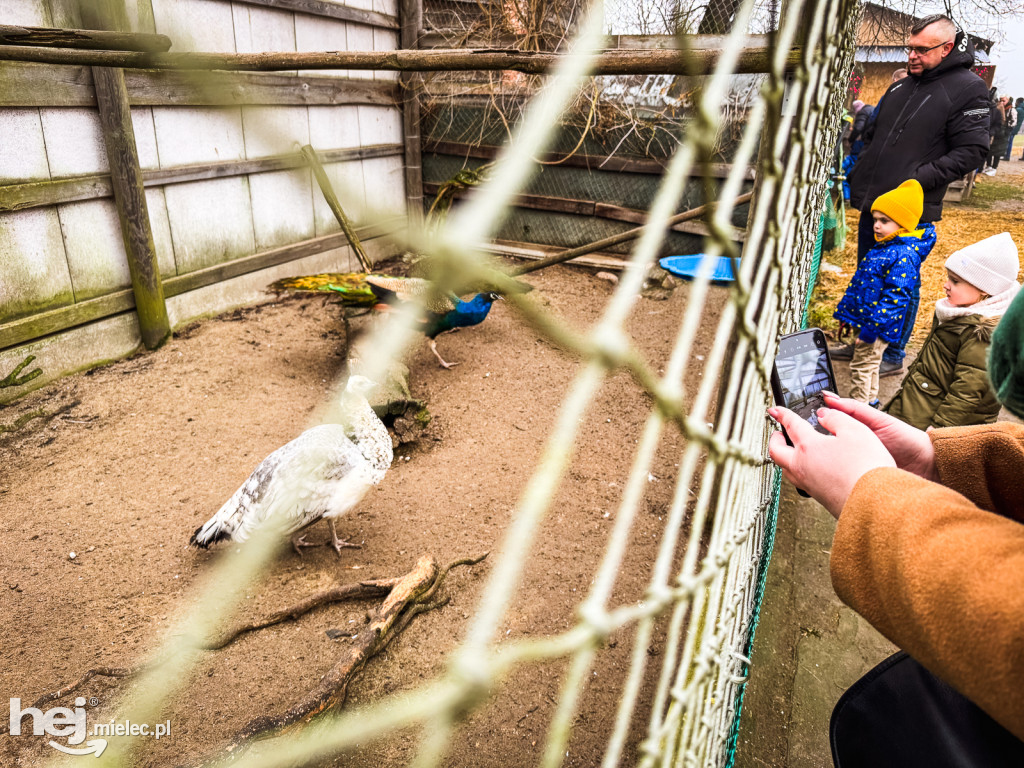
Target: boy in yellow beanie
(882, 290)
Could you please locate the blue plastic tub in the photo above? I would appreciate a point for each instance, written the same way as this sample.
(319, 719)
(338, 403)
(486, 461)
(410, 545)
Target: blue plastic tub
(689, 266)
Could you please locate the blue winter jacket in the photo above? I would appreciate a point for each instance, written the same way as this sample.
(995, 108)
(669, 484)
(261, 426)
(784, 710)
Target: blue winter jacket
(881, 290)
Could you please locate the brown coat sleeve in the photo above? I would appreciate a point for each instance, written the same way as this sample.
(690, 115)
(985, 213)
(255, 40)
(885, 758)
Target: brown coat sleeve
(985, 463)
(939, 576)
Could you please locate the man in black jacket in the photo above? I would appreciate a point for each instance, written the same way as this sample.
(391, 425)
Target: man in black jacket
(931, 126)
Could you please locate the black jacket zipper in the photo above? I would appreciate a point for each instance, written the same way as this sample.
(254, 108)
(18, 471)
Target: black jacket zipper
(907, 121)
(903, 109)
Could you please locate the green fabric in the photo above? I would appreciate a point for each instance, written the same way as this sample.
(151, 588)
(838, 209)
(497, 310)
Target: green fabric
(840, 235)
(812, 279)
(829, 221)
(947, 386)
(1006, 360)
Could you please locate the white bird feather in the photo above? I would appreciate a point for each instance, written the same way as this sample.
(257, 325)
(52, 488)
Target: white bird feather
(322, 473)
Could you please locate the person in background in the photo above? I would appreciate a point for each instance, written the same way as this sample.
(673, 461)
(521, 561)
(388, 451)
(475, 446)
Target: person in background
(947, 385)
(1013, 119)
(931, 126)
(897, 75)
(882, 289)
(1019, 109)
(861, 118)
(998, 132)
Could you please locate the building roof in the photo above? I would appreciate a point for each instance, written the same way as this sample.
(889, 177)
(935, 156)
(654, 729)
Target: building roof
(885, 27)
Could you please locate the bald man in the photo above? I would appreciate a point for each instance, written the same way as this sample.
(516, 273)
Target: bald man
(931, 126)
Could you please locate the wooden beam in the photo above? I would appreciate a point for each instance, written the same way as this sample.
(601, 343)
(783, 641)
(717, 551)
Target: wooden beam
(40, 85)
(645, 42)
(126, 179)
(619, 62)
(599, 210)
(534, 202)
(592, 162)
(622, 237)
(634, 216)
(92, 39)
(430, 38)
(539, 252)
(17, 197)
(347, 228)
(277, 163)
(221, 272)
(457, 38)
(412, 22)
(43, 324)
(330, 11)
(482, 91)
(166, 88)
(57, 320)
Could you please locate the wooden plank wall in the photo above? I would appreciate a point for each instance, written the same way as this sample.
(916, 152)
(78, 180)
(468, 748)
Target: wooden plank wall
(225, 188)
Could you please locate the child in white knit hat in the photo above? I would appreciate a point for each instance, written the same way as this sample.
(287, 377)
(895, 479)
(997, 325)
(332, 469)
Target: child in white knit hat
(948, 386)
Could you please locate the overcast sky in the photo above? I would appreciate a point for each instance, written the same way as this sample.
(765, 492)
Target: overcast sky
(1008, 56)
(1005, 29)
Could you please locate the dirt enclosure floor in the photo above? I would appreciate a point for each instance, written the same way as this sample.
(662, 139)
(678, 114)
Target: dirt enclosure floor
(148, 448)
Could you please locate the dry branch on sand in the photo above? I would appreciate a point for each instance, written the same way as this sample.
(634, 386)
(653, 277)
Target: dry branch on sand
(411, 595)
(405, 598)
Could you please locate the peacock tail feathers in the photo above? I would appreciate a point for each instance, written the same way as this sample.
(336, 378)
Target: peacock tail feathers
(414, 289)
(360, 289)
(352, 286)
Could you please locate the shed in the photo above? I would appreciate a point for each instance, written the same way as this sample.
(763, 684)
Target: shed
(881, 39)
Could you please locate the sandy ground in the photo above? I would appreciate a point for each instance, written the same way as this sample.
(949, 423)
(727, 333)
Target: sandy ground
(148, 448)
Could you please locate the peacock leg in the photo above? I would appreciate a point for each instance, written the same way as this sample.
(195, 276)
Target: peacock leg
(300, 541)
(433, 348)
(338, 543)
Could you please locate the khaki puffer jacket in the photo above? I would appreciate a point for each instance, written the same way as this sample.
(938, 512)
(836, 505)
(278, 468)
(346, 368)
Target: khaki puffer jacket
(948, 386)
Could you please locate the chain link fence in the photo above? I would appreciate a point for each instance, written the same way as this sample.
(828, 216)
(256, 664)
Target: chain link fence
(700, 606)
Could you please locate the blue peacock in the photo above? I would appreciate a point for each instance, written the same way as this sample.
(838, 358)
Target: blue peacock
(442, 311)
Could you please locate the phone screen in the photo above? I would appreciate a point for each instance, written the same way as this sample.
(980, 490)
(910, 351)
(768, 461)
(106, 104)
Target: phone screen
(803, 371)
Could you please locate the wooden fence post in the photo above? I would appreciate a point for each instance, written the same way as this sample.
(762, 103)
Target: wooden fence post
(126, 179)
(126, 175)
(411, 20)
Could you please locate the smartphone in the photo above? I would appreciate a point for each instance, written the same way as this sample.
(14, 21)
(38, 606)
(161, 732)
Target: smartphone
(802, 371)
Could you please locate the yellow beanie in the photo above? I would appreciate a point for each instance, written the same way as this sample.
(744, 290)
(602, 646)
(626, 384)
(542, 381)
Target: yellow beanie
(903, 205)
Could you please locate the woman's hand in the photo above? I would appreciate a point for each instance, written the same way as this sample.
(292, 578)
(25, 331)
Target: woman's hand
(826, 466)
(910, 447)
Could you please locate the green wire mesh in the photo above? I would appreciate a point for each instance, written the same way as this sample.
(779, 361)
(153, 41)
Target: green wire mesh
(815, 266)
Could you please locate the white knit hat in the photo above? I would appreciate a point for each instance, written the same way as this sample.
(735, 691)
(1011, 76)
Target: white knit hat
(990, 265)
